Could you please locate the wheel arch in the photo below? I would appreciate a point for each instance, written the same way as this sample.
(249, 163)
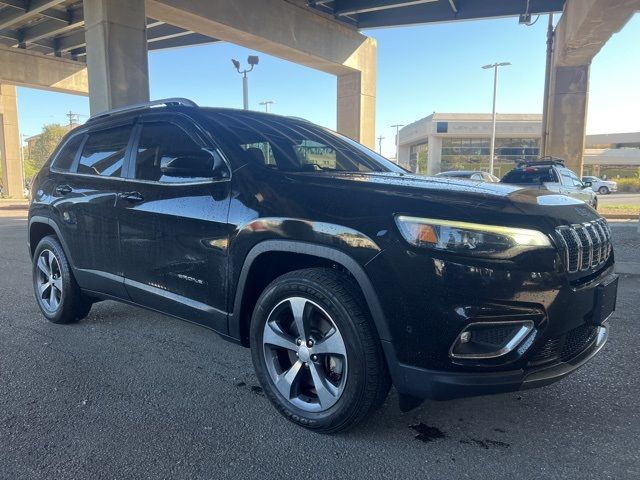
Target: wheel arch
(40, 227)
(240, 317)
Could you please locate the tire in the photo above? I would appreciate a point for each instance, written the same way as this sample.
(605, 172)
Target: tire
(58, 295)
(356, 377)
(603, 190)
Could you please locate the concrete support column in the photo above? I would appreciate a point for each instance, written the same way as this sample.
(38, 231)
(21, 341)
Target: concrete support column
(568, 95)
(10, 155)
(356, 95)
(357, 108)
(434, 156)
(116, 53)
(583, 29)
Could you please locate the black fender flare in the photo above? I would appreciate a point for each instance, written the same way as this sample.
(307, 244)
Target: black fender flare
(54, 226)
(315, 250)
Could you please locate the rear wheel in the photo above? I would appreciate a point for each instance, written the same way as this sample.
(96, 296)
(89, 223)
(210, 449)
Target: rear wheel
(56, 290)
(603, 190)
(315, 350)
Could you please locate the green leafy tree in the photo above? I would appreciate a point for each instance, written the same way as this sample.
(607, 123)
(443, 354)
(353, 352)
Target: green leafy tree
(42, 148)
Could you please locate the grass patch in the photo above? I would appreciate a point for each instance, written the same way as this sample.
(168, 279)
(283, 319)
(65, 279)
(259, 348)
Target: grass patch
(619, 208)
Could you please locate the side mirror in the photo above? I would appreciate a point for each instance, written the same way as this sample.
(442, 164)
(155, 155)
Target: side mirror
(201, 164)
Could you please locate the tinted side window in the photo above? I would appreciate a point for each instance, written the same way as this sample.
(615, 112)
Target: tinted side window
(569, 178)
(104, 151)
(67, 154)
(162, 145)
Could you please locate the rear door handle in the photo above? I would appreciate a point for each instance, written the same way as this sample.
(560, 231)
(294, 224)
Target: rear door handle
(64, 189)
(133, 197)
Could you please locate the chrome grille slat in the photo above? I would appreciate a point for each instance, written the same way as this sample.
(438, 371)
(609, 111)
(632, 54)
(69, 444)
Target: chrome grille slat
(584, 246)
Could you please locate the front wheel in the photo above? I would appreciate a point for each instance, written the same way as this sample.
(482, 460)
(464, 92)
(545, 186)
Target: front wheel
(316, 352)
(603, 190)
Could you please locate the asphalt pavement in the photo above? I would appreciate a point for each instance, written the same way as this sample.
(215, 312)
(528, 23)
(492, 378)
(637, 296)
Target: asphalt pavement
(132, 394)
(619, 198)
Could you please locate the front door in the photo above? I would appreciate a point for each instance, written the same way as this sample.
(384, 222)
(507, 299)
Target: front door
(573, 186)
(173, 229)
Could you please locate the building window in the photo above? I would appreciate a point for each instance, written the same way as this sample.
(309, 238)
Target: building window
(462, 153)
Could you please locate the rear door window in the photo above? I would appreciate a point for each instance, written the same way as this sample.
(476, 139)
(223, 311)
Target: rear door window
(67, 154)
(104, 152)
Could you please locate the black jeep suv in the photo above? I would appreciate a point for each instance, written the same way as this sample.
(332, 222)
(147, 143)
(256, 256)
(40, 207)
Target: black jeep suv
(341, 271)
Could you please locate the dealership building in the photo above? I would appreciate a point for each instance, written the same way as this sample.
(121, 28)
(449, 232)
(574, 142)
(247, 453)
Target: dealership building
(461, 141)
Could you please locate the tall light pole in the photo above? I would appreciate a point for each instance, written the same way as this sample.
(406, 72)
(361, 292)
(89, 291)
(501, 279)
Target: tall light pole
(266, 104)
(495, 67)
(397, 127)
(252, 61)
(380, 138)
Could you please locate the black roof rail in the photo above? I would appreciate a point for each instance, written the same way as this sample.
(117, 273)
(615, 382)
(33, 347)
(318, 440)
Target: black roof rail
(185, 102)
(541, 161)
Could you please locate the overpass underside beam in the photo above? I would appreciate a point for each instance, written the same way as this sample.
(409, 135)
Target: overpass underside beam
(295, 33)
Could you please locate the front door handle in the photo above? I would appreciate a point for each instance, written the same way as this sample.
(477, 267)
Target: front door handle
(64, 189)
(133, 197)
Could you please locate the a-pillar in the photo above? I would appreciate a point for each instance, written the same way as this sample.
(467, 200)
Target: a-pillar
(116, 53)
(10, 155)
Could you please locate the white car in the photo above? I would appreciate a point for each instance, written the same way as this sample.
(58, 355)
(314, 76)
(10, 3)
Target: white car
(603, 187)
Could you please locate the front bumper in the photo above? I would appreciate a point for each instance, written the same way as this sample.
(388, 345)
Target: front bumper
(444, 385)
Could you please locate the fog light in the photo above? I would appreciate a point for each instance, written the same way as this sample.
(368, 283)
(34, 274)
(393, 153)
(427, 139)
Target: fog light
(487, 340)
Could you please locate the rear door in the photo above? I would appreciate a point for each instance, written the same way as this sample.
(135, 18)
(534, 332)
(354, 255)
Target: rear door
(85, 207)
(173, 230)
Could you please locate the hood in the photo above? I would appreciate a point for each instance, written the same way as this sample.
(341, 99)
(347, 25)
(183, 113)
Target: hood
(461, 199)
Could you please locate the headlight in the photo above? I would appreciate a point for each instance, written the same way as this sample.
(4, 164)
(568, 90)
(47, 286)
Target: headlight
(470, 238)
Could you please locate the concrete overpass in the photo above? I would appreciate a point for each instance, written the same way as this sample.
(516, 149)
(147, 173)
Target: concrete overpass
(99, 47)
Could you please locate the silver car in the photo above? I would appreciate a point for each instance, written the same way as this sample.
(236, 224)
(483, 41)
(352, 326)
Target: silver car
(552, 175)
(603, 187)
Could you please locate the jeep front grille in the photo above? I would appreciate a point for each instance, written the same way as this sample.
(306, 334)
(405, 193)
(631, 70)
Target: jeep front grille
(585, 245)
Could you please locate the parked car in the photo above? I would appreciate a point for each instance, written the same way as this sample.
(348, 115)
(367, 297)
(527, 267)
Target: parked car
(603, 187)
(470, 175)
(553, 176)
(341, 272)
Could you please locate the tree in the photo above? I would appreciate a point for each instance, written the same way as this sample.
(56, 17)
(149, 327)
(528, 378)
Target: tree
(42, 148)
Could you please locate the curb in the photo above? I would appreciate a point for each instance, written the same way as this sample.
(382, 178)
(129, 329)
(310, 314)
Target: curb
(620, 216)
(628, 268)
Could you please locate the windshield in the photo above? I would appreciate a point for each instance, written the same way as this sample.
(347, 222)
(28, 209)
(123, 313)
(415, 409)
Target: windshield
(291, 145)
(530, 175)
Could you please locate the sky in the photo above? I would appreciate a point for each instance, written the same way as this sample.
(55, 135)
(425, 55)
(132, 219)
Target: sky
(421, 70)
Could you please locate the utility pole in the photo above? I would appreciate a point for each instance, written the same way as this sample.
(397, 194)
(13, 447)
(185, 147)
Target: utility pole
(73, 118)
(252, 61)
(397, 127)
(266, 104)
(380, 138)
(547, 80)
(495, 67)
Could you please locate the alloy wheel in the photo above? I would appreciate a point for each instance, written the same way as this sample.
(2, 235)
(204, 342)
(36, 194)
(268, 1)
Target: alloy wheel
(305, 354)
(49, 281)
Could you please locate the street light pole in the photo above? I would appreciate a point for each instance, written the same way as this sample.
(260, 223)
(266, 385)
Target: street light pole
(253, 61)
(495, 67)
(380, 138)
(397, 127)
(266, 104)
